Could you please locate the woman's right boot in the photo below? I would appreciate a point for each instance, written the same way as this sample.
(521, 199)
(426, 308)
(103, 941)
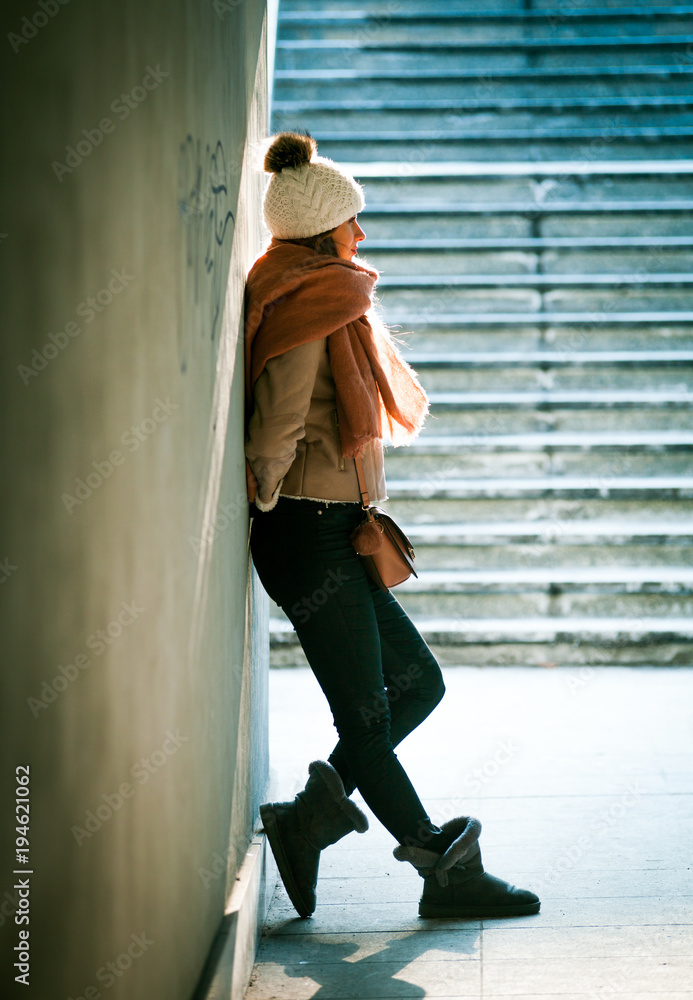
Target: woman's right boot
(455, 883)
(320, 815)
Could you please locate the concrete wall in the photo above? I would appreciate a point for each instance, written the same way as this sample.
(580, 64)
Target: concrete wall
(134, 681)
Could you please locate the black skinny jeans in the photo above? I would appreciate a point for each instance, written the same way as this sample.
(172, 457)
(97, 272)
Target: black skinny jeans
(377, 673)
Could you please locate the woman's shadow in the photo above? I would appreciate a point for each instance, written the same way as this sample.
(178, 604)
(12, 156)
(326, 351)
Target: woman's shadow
(373, 975)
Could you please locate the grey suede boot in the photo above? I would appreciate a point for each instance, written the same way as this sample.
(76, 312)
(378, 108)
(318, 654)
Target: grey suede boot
(455, 883)
(320, 815)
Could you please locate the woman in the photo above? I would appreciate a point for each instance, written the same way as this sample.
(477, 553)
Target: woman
(324, 384)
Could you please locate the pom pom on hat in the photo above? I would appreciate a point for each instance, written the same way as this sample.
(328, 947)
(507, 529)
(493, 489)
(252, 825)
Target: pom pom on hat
(307, 194)
(289, 149)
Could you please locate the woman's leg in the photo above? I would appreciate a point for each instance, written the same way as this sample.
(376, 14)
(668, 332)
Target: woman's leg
(413, 680)
(305, 559)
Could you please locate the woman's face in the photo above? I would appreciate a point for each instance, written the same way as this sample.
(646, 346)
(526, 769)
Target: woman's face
(347, 237)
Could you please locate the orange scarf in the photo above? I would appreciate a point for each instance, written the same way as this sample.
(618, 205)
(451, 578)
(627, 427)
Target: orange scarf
(295, 295)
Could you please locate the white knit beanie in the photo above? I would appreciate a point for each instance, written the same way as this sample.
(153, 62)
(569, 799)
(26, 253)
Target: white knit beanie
(307, 194)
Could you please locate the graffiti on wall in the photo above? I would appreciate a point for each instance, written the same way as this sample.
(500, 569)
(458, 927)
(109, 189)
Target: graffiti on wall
(205, 202)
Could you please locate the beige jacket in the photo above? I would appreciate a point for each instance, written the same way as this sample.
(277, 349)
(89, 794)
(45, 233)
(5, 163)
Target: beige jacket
(293, 445)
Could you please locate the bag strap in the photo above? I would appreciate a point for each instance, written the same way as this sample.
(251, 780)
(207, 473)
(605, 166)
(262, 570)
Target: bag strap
(363, 489)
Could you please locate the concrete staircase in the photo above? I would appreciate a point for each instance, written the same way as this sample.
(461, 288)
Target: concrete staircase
(529, 178)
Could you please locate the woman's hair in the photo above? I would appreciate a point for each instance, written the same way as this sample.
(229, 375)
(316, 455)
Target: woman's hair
(321, 243)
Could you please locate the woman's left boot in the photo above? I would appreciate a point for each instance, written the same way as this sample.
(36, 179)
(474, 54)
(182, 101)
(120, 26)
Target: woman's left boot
(320, 815)
(455, 883)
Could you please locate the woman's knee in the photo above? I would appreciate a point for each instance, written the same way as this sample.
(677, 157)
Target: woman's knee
(422, 681)
(431, 677)
(438, 688)
(431, 695)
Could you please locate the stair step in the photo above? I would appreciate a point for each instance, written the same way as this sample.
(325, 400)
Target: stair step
(437, 444)
(632, 260)
(571, 533)
(496, 229)
(532, 280)
(533, 629)
(486, 55)
(422, 306)
(529, 420)
(520, 34)
(503, 650)
(568, 337)
(349, 18)
(525, 603)
(337, 76)
(385, 7)
(564, 398)
(593, 465)
(518, 377)
(565, 647)
(320, 46)
(474, 132)
(596, 242)
(550, 359)
(532, 221)
(519, 168)
(612, 486)
(427, 508)
(607, 579)
(586, 319)
(495, 91)
(428, 304)
(526, 196)
(443, 126)
(522, 208)
(548, 552)
(485, 103)
(644, 82)
(625, 145)
(491, 32)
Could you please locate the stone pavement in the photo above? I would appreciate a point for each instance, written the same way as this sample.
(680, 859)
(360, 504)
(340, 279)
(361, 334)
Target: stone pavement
(583, 781)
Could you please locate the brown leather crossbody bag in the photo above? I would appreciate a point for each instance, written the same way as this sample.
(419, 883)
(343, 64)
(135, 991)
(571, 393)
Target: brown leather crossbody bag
(387, 553)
